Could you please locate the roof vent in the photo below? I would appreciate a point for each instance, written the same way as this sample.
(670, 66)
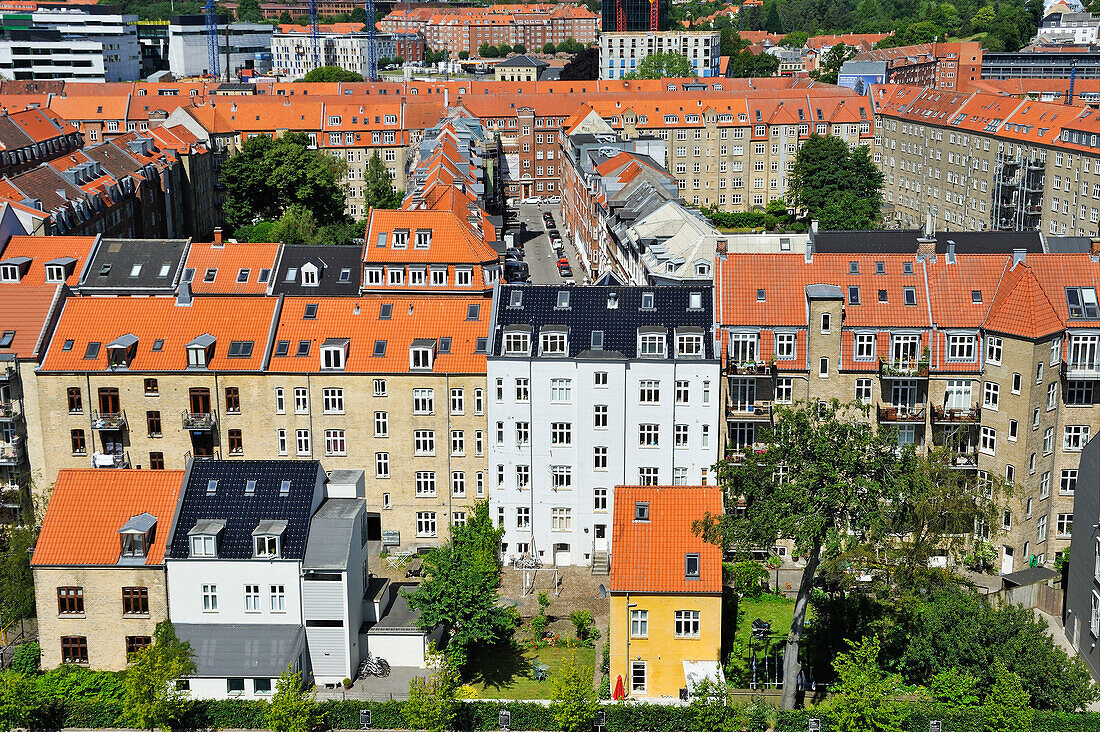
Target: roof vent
(183, 295)
(950, 252)
(1019, 256)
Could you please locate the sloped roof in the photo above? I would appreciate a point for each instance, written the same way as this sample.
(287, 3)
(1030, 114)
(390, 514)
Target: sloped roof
(26, 310)
(230, 262)
(88, 506)
(45, 249)
(1021, 307)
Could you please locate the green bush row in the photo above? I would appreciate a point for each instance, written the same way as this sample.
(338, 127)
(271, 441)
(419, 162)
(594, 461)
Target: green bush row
(483, 715)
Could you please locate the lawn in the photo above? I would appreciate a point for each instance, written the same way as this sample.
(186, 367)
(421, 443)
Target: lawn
(778, 611)
(506, 672)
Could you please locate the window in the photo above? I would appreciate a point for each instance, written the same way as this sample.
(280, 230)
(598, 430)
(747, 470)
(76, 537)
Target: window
(991, 395)
(1052, 395)
(135, 600)
(691, 566)
(1075, 437)
(236, 442)
(232, 400)
(561, 477)
(381, 465)
(380, 387)
(210, 598)
(687, 623)
(523, 476)
(1079, 393)
(252, 599)
(863, 391)
(332, 401)
(135, 643)
(680, 435)
(1082, 303)
(381, 424)
(76, 402)
(638, 677)
(1065, 525)
(458, 401)
(1094, 619)
(1048, 441)
(420, 358)
(278, 598)
(651, 345)
(152, 422)
(649, 392)
(151, 388)
(335, 444)
(784, 390)
(561, 433)
(423, 401)
(458, 483)
(425, 523)
(458, 442)
(553, 344)
(280, 403)
(989, 441)
(785, 346)
(517, 343)
(561, 391)
(599, 498)
(864, 347)
(823, 367)
(1039, 374)
(600, 379)
(960, 347)
(424, 442)
(523, 390)
(1041, 529)
(682, 392)
(994, 347)
(689, 345)
(425, 484)
(280, 438)
(70, 600)
(74, 649)
(639, 623)
(301, 400)
(1069, 482)
(648, 476)
(303, 442)
(826, 322)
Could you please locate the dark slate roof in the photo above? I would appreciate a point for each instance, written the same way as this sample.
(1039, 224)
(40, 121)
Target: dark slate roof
(114, 260)
(588, 311)
(241, 513)
(334, 527)
(1068, 244)
(522, 61)
(335, 258)
(242, 650)
(1029, 576)
(904, 241)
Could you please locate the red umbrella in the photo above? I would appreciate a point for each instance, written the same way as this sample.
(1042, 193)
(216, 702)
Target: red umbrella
(619, 694)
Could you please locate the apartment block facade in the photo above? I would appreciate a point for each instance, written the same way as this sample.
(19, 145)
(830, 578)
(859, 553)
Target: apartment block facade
(992, 355)
(622, 53)
(986, 162)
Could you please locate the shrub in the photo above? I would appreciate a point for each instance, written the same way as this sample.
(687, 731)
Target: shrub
(582, 624)
(27, 656)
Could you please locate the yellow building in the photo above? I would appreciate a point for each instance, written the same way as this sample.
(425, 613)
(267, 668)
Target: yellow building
(666, 591)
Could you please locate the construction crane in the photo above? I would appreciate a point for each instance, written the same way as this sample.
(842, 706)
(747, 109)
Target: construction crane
(314, 36)
(620, 16)
(372, 62)
(212, 37)
(654, 14)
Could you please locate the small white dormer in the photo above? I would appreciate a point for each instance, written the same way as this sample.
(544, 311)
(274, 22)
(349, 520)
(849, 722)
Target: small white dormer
(57, 270)
(135, 536)
(199, 351)
(311, 274)
(120, 351)
(204, 536)
(334, 354)
(422, 354)
(267, 539)
(423, 238)
(401, 239)
(13, 268)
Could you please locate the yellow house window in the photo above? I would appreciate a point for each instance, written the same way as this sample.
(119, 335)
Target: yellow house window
(687, 623)
(639, 623)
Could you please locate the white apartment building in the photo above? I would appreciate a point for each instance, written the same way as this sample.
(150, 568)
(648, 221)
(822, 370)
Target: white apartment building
(115, 31)
(237, 49)
(46, 54)
(621, 53)
(590, 388)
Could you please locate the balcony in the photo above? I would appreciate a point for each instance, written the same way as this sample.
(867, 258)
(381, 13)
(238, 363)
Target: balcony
(902, 368)
(1081, 370)
(739, 453)
(199, 421)
(901, 413)
(7, 411)
(10, 453)
(188, 457)
(109, 420)
(108, 460)
(964, 460)
(749, 411)
(943, 415)
(750, 368)
(7, 370)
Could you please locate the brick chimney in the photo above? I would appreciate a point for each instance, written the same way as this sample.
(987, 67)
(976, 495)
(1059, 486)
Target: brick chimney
(217, 236)
(1094, 247)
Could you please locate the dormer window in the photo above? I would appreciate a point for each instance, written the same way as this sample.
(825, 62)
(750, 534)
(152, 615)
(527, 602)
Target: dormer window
(647, 301)
(612, 300)
(641, 511)
(689, 345)
(421, 353)
(55, 273)
(401, 239)
(517, 343)
(120, 352)
(199, 351)
(136, 535)
(464, 277)
(267, 539)
(310, 276)
(651, 344)
(133, 545)
(563, 300)
(515, 299)
(597, 340)
(553, 343)
(9, 273)
(691, 566)
(695, 301)
(423, 239)
(204, 537)
(334, 353)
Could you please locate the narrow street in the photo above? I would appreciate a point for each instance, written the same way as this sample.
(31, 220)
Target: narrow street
(540, 255)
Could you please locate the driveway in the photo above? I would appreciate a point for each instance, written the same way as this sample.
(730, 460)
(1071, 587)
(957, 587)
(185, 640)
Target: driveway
(540, 255)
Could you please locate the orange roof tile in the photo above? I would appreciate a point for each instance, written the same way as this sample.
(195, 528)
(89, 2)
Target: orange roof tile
(151, 319)
(26, 310)
(230, 262)
(453, 241)
(359, 321)
(89, 506)
(1021, 307)
(43, 249)
(648, 556)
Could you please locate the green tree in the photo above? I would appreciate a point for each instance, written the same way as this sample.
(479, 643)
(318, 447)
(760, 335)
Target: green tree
(378, 186)
(19, 700)
(747, 64)
(504, 49)
(463, 55)
(828, 69)
(519, 48)
(824, 481)
(797, 39)
(584, 66)
(572, 698)
(661, 65)
(772, 22)
(1005, 708)
(330, 74)
(866, 696)
(359, 15)
(296, 226)
(955, 688)
(841, 188)
(711, 710)
(487, 51)
(549, 48)
(248, 11)
(747, 578)
(460, 587)
(432, 704)
(293, 708)
(27, 658)
(285, 19)
(16, 581)
(151, 698)
(268, 176)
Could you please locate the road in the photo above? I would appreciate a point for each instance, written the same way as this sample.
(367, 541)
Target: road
(540, 255)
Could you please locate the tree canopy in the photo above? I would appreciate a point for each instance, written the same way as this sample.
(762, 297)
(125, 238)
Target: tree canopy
(746, 64)
(460, 587)
(378, 186)
(248, 11)
(151, 698)
(292, 708)
(584, 66)
(662, 65)
(839, 187)
(828, 70)
(269, 176)
(331, 74)
(16, 580)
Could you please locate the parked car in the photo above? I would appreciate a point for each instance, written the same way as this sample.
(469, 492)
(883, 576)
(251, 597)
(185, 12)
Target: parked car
(565, 270)
(552, 199)
(563, 262)
(516, 272)
(533, 199)
(511, 253)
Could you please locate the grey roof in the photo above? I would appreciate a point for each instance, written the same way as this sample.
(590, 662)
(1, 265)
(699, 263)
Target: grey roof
(138, 524)
(400, 618)
(335, 258)
(203, 341)
(335, 525)
(1029, 576)
(824, 292)
(904, 241)
(1068, 244)
(63, 261)
(114, 261)
(207, 526)
(270, 527)
(522, 60)
(123, 341)
(242, 650)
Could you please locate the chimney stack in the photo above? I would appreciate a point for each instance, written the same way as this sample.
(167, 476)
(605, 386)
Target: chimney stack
(217, 236)
(1094, 247)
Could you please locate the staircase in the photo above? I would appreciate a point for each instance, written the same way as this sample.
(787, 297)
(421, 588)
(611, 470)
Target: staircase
(600, 564)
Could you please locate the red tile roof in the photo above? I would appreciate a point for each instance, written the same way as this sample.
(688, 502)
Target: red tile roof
(452, 242)
(1021, 307)
(103, 319)
(357, 319)
(88, 507)
(648, 556)
(229, 262)
(26, 310)
(43, 249)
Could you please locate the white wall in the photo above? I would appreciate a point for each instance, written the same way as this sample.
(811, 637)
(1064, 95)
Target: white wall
(122, 54)
(215, 688)
(400, 650)
(187, 576)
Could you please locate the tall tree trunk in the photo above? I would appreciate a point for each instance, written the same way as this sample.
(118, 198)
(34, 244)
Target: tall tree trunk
(791, 666)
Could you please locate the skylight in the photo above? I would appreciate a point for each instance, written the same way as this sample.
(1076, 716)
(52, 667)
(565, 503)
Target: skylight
(379, 348)
(311, 311)
(1082, 303)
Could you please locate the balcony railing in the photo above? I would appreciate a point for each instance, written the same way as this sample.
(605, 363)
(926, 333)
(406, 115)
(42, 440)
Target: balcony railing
(199, 421)
(1081, 370)
(110, 460)
(964, 459)
(7, 370)
(10, 453)
(902, 413)
(746, 411)
(187, 456)
(109, 420)
(944, 415)
(903, 368)
(750, 368)
(7, 410)
(738, 454)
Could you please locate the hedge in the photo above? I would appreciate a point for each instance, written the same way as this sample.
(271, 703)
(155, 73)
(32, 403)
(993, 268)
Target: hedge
(478, 716)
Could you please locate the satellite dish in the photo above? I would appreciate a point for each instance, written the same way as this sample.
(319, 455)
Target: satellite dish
(603, 592)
